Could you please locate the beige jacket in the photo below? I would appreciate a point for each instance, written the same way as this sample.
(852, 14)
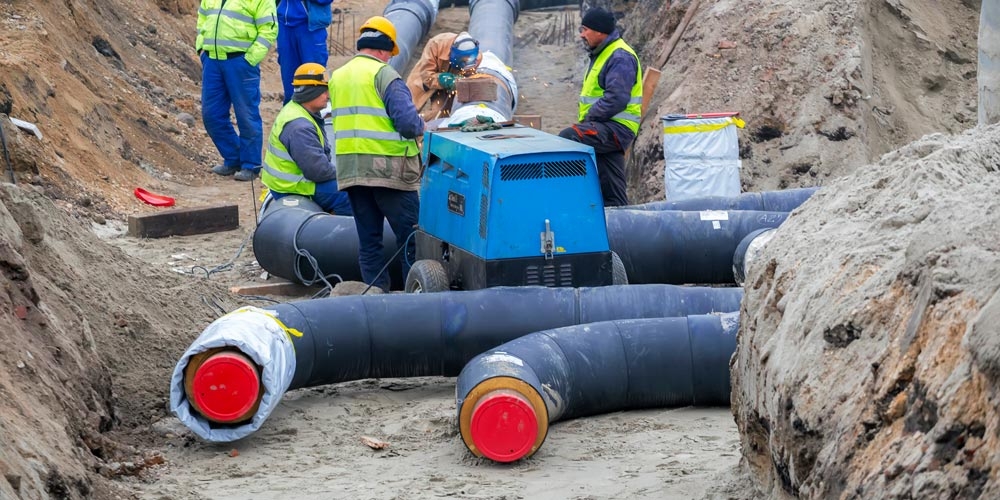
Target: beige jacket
(422, 80)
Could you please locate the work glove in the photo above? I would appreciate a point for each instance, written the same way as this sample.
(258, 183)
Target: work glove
(479, 124)
(447, 81)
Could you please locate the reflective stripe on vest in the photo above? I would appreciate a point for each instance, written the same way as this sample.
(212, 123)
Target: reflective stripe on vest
(592, 91)
(280, 173)
(225, 29)
(360, 122)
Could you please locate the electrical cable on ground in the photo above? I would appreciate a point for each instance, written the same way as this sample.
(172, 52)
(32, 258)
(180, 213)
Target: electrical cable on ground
(391, 259)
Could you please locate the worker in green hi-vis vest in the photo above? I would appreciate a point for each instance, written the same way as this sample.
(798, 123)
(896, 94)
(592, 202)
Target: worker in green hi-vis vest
(610, 102)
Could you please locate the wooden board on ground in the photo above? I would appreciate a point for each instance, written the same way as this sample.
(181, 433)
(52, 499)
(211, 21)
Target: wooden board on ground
(184, 222)
(283, 288)
(533, 121)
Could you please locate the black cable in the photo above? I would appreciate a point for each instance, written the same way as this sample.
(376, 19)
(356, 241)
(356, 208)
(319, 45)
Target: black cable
(6, 155)
(405, 257)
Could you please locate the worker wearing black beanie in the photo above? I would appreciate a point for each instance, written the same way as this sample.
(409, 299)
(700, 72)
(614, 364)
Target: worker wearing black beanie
(610, 102)
(599, 20)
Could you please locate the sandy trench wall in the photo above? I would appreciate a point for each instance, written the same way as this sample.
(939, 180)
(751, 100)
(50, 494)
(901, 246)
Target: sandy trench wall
(869, 357)
(824, 86)
(88, 336)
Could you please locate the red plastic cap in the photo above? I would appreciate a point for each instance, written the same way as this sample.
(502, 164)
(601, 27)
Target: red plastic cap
(226, 386)
(504, 427)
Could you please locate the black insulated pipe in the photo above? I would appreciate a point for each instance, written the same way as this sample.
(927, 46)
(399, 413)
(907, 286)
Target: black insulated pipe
(508, 396)
(768, 201)
(682, 247)
(435, 334)
(748, 252)
(412, 19)
(525, 4)
(295, 237)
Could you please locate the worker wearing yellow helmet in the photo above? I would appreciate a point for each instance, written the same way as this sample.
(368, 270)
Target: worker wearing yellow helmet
(375, 126)
(298, 159)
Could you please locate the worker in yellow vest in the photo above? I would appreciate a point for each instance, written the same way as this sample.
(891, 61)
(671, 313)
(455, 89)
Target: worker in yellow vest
(610, 102)
(375, 126)
(298, 158)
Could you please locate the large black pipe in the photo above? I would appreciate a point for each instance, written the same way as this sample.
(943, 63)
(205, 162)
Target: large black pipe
(748, 252)
(506, 397)
(412, 19)
(337, 339)
(682, 247)
(413, 335)
(295, 237)
(768, 201)
(663, 246)
(525, 4)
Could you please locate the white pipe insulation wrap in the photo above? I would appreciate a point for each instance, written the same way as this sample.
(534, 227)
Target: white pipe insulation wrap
(492, 65)
(989, 63)
(257, 333)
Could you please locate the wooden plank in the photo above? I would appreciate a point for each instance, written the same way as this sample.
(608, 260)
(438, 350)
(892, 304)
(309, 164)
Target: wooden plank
(533, 121)
(475, 89)
(184, 222)
(284, 288)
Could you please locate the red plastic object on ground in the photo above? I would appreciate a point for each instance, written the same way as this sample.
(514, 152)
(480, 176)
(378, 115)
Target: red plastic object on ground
(226, 387)
(157, 200)
(504, 426)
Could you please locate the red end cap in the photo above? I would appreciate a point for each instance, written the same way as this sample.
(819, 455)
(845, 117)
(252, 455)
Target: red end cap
(226, 387)
(504, 427)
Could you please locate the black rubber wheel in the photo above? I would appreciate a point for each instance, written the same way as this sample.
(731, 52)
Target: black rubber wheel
(618, 274)
(427, 276)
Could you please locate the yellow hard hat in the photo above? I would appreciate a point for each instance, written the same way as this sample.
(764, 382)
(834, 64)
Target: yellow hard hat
(309, 74)
(384, 26)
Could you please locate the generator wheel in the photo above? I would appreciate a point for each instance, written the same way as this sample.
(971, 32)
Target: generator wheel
(618, 274)
(427, 276)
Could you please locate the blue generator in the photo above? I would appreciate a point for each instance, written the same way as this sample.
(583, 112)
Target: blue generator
(510, 207)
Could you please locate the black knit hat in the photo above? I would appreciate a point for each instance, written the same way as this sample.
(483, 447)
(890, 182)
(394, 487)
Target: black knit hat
(371, 39)
(599, 20)
(306, 93)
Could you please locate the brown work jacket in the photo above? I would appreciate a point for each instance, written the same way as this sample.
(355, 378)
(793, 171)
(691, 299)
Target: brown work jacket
(430, 99)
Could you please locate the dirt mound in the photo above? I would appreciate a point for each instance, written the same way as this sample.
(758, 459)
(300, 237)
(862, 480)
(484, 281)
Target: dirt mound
(90, 336)
(870, 366)
(825, 87)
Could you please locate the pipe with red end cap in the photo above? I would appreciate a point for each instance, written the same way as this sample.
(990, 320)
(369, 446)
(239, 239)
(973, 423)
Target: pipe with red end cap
(223, 385)
(507, 397)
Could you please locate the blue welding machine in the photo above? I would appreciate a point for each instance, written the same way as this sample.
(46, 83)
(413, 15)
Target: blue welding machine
(510, 207)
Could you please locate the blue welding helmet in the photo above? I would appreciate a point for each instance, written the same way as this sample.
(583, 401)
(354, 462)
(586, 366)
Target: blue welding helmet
(464, 52)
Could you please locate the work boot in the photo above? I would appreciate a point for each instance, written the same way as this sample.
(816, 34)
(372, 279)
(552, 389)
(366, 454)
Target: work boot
(225, 170)
(246, 174)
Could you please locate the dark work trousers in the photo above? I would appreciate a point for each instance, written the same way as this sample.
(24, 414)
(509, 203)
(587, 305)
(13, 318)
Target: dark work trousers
(610, 158)
(232, 87)
(372, 206)
(297, 46)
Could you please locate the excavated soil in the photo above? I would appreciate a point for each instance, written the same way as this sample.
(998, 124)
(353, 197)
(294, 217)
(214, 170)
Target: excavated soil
(94, 320)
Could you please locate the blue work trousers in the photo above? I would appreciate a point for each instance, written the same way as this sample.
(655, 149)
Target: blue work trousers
(297, 46)
(372, 207)
(328, 197)
(227, 86)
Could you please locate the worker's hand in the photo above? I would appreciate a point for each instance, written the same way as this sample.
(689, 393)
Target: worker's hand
(447, 81)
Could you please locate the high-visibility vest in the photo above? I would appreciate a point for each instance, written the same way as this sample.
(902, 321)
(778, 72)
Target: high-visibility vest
(229, 26)
(280, 173)
(361, 124)
(592, 91)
